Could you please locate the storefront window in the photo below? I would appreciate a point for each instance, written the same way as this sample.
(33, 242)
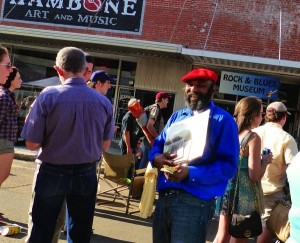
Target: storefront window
(24, 98)
(122, 107)
(111, 66)
(127, 76)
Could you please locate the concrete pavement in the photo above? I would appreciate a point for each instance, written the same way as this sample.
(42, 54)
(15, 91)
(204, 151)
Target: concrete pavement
(111, 224)
(22, 153)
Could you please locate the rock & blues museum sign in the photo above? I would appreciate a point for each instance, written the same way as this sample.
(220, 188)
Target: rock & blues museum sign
(247, 85)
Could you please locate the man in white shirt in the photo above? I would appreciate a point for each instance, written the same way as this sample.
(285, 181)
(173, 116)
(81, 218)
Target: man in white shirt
(284, 149)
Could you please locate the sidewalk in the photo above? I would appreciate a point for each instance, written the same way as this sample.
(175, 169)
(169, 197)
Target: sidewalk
(22, 153)
(111, 224)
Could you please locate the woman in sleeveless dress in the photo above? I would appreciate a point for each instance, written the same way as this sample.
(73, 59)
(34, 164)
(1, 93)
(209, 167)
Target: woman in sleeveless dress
(248, 115)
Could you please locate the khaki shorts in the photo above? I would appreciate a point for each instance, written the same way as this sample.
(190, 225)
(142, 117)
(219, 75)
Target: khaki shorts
(6, 146)
(270, 202)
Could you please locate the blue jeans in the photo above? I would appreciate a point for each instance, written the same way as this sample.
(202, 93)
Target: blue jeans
(181, 217)
(146, 150)
(53, 184)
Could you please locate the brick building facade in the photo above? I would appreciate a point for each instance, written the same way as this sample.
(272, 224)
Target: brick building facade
(149, 45)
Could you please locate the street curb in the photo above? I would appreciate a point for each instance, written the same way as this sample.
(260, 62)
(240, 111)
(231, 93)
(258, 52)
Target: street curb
(25, 157)
(21, 153)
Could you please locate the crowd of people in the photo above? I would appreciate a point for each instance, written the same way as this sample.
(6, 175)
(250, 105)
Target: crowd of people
(72, 123)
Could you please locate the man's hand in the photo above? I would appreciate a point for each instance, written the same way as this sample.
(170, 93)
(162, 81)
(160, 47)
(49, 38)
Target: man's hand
(164, 159)
(32, 146)
(181, 173)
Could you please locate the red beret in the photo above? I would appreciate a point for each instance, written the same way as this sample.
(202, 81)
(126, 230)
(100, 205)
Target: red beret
(200, 74)
(162, 95)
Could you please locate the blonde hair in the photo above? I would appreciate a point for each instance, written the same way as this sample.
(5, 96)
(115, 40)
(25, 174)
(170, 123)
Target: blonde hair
(90, 84)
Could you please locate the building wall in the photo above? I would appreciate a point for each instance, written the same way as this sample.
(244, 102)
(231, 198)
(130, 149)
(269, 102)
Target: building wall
(249, 27)
(160, 75)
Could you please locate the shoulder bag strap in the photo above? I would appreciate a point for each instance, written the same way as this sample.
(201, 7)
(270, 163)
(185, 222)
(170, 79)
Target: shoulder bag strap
(243, 144)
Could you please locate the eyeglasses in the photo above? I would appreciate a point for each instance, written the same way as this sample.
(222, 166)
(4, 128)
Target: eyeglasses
(7, 65)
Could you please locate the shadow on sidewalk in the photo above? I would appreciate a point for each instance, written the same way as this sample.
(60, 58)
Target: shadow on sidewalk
(4, 222)
(100, 238)
(121, 216)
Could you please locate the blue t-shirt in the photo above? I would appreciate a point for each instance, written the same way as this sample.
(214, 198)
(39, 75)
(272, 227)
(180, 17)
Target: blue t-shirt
(208, 175)
(70, 121)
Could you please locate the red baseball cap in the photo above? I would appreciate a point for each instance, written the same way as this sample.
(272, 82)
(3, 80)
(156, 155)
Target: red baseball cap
(200, 74)
(162, 95)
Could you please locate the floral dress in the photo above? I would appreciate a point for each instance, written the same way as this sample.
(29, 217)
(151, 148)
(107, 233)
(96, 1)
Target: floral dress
(249, 194)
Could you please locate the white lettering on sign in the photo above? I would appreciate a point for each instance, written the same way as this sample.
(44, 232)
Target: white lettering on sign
(97, 19)
(74, 5)
(54, 3)
(113, 6)
(63, 17)
(116, 15)
(128, 6)
(246, 85)
(30, 3)
(36, 14)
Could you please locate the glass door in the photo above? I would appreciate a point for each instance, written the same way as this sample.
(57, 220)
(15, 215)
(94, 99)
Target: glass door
(124, 96)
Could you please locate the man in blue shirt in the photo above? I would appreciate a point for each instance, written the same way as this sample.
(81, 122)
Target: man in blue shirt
(71, 124)
(187, 197)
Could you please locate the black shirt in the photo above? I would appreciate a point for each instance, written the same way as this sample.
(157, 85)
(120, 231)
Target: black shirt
(129, 124)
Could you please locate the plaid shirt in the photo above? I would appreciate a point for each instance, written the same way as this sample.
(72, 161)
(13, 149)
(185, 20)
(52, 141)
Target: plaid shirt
(8, 115)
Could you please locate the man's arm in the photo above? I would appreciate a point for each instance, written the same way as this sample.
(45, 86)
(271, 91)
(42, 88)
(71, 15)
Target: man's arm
(34, 126)
(106, 144)
(151, 128)
(126, 135)
(32, 146)
(291, 149)
(108, 129)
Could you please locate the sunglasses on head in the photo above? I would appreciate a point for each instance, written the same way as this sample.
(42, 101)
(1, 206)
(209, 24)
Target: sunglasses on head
(7, 65)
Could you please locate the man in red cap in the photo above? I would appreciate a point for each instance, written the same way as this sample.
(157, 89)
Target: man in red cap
(155, 122)
(186, 200)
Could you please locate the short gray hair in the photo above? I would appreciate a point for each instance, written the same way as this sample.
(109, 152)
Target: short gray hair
(71, 59)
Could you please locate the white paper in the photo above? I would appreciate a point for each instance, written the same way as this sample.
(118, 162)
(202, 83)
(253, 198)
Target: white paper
(187, 138)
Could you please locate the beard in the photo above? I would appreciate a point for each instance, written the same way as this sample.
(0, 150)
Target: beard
(197, 101)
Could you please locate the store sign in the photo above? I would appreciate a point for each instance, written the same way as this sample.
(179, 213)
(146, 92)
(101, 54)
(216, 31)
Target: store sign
(249, 85)
(111, 15)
